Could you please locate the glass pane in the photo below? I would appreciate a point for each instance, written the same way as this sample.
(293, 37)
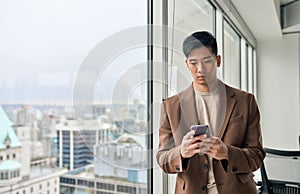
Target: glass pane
(193, 15)
(185, 17)
(74, 94)
(251, 72)
(247, 67)
(231, 58)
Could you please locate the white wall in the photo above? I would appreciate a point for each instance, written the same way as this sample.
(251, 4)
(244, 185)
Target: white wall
(278, 91)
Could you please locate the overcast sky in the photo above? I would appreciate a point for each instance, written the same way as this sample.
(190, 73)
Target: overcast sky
(43, 43)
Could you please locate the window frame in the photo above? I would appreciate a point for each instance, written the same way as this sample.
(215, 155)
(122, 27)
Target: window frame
(237, 24)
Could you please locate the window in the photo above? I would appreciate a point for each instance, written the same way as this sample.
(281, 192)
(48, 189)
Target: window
(126, 189)
(247, 67)
(49, 70)
(105, 186)
(251, 71)
(231, 56)
(67, 180)
(184, 17)
(44, 74)
(192, 15)
(86, 183)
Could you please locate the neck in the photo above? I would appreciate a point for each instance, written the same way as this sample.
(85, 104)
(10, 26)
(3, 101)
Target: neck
(206, 87)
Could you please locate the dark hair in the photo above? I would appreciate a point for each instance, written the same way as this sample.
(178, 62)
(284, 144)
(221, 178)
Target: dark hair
(197, 40)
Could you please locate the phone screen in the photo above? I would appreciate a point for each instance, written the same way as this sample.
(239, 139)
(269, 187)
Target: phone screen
(201, 129)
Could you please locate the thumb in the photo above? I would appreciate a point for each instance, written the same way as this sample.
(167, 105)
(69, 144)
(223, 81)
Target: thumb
(189, 135)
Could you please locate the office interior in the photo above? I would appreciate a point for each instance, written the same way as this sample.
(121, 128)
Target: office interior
(268, 36)
(259, 42)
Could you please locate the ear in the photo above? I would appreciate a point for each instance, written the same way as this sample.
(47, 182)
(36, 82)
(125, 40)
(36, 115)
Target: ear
(218, 60)
(187, 64)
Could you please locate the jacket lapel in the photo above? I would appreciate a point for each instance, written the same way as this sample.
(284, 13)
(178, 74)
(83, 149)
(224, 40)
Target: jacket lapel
(229, 108)
(188, 107)
(189, 114)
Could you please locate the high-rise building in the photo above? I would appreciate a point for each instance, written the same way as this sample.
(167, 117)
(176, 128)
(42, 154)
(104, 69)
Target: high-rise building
(76, 141)
(50, 138)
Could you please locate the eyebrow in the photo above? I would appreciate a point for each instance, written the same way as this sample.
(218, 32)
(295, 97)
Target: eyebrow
(206, 57)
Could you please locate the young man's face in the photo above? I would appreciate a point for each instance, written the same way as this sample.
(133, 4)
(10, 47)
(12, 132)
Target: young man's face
(202, 63)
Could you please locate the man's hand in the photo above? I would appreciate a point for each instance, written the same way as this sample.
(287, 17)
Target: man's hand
(214, 147)
(191, 145)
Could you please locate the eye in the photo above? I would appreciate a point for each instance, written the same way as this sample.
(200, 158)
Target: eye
(193, 62)
(209, 61)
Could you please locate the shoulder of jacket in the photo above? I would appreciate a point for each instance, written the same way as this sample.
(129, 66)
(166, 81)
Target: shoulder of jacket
(238, 92)
(172, 99)
(182, 94)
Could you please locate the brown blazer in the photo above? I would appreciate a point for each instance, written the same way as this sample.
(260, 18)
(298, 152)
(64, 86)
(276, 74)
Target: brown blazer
(240, 131)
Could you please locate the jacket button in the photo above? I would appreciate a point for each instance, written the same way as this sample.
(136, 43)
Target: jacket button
(234, 169)
(205, 166)
(203, 187)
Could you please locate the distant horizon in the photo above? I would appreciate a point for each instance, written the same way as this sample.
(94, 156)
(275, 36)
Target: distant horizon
(65, 104)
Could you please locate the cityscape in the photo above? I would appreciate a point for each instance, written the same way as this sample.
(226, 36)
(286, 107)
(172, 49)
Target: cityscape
(46, 149)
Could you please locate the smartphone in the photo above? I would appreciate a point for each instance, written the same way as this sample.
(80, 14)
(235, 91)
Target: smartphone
(200, 129)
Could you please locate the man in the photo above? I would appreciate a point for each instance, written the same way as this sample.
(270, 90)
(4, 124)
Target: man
(223, 162)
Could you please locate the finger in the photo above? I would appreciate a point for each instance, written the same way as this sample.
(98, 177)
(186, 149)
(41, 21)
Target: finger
(190, 152)
(210, 152)
(204, 149)
(199, 137)
(195, 145)
(211, 139)
(207, 144)
(189, 135)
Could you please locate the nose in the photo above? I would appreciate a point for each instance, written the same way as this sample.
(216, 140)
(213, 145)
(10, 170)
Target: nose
(200, 67)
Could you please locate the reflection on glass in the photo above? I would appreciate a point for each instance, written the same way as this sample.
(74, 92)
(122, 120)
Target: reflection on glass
(185, 17)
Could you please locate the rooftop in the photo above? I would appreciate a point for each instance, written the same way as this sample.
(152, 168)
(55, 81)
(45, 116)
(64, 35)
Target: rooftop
(10, 165)
(7, 131)
(40, 171)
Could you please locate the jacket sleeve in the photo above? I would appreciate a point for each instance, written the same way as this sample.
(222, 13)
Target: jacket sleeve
(250, 155)
(168, 155)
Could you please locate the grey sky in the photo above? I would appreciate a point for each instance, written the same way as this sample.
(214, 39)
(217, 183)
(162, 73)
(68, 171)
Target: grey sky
(43, 42)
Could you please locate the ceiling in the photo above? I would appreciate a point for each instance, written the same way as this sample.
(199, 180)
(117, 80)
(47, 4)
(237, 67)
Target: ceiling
(263, 17)
(284, 2)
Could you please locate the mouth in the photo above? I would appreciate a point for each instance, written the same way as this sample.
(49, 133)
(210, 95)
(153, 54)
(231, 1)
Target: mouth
(201, 77)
